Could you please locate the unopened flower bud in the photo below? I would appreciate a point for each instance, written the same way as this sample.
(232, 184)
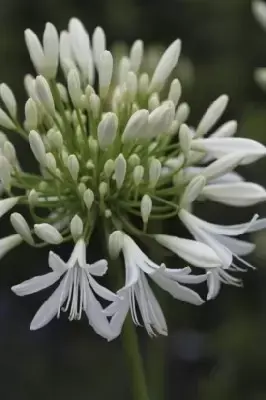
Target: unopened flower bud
(120, 170)
(105, 69)
(138, 174)
(73, 166)
(136, 126)
(37, 147)
(76, 227)
(145, 208)
(8, 99)
(48, 233)
(107, 129)
(21, 227)
(44, 94)
(88, 198)
(154, 172)
(115, 244)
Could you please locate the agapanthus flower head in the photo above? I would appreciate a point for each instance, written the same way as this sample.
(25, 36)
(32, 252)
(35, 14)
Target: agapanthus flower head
(114, 147)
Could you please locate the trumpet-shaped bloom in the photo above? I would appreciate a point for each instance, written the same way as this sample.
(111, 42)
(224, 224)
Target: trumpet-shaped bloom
(76, 290)
(137, 291)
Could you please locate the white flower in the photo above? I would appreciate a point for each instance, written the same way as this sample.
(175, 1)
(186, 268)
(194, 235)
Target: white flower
(235, 194)
(137, 289)
(218, 237)
(76, 289)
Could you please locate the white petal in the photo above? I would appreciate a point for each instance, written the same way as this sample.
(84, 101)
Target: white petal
(230, 177)
(50, 307)
(235, 194)
(230, 230)
(56, 263)
(214, 284)
(238, 247)
(150, 309)
(211, 116)
(36, 284)
(178, 291)
(195, 253)
(96, 317)
(218, 147)
(99, 268)
(101, 291)
(119, 316)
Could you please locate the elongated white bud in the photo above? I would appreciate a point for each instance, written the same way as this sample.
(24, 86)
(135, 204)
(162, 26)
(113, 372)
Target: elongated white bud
(74, 88)
(10, 152)
(138, 174)
(33, 196)
(182, 113)
(185, 138)
(5, 121)
(76, 227)
(95, 105)
(136, 126)
(5, 172)
(175, 91)
(108, 168)
(212, 115)
(88, 198)
(44, 94)
(51, 162)
(37, 147)
(154, 172)
(107, 129)
(132, 85)
(55, 139)
(228, 129)
(222, 166)
(98, 44)
(35, 51)
(73, 166)
(193, 190)
(145, 208)
(51, 50)
(124, 68)
(143, 84)
(21, 227)
(154, 101)
(160, 119)
(105, 69)
(8, 99)
(48, 233)
(120, 170)
(133, 160)
(31, 114)
(115, 244)
(136, 55)
(165, 66)
(103, 189)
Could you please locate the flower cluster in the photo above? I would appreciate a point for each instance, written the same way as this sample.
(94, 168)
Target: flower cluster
(115, 152)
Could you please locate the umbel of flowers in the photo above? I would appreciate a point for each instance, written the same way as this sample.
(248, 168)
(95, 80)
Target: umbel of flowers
(112, 150)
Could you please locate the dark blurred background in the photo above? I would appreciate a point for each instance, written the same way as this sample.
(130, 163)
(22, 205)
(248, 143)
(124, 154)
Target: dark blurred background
(216, 351)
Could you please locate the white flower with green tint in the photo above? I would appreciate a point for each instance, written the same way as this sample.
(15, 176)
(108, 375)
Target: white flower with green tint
(115, 151)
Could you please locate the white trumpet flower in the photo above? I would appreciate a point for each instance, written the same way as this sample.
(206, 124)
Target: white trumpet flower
(76, 289)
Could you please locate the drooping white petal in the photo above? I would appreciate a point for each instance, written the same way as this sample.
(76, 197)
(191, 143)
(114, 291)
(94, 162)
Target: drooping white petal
(238, 247)
(218, 147)
(101, 291)
(230, 230)
(118, 310)
(50, 307)
(214, 284)
(36, 284)
(97, 319)
(195, 253)
(235, 194)
(150, 309)
(179, 292)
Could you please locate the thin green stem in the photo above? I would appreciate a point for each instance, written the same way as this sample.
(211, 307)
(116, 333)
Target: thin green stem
(134, 361)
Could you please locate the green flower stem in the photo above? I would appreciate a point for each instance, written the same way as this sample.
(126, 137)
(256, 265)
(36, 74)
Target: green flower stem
(134, 361)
